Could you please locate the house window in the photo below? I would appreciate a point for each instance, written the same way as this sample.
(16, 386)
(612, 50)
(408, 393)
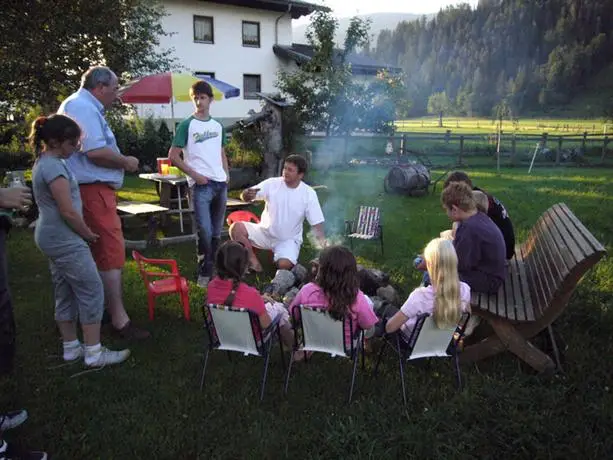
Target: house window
(251, 34)
(201, 74)
(251, 84)
(203, 29)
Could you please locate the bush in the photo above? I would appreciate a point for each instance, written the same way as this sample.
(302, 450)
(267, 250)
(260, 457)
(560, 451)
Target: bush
(240, 156)
(145, 140)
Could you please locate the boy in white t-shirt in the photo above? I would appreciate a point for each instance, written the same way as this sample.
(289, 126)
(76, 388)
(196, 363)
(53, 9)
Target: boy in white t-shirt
(289, 201)
(201, 139)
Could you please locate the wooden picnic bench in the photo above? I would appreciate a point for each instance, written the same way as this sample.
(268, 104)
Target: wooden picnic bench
(542, 275)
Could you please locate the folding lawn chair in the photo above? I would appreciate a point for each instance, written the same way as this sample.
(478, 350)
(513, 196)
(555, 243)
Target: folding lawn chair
(238, 329)
(366, 226)
(426, 341)
(322, 333)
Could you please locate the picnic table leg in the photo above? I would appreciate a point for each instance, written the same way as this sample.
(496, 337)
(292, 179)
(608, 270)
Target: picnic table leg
(508, 338)
(152, 223)
(165, 195)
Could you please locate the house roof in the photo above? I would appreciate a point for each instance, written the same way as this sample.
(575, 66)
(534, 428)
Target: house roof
(298, 7)
(362, 65)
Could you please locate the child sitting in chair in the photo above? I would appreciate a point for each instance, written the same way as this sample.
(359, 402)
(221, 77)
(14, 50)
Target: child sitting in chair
(337, 287)
(227, 288)
(446, 298)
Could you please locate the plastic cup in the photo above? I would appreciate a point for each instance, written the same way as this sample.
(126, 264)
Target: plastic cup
(162, 161)
(165, 169)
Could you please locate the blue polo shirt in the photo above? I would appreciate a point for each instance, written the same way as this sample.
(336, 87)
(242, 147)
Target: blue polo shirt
(88, 112)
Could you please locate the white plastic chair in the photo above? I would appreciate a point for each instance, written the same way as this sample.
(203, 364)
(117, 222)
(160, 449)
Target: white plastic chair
(238, 330)
(426, 341)
(324, 334)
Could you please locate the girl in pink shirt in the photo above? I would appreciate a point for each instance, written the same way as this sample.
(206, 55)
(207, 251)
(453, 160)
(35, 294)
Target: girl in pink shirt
(337, 287)
(227, 288)
(446, 298)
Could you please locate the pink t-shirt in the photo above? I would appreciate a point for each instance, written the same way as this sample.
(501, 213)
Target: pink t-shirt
(362, 314)
(421, 300)
(246, 296)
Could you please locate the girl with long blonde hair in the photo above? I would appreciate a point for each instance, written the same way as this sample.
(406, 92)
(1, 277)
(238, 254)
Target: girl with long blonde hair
(446, 298)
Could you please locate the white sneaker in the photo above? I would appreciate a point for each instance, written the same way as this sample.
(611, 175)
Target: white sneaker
(105, 357)
(203, 281)
(73, 353)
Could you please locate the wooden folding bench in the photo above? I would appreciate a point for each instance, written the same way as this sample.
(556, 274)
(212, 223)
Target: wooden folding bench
(542, 275)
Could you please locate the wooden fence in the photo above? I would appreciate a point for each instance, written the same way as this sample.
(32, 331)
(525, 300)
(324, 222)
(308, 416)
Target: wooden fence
(458, 144)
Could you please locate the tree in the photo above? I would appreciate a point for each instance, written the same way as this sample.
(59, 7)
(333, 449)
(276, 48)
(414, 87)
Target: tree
(438, 104)
(46, 46)
(322, 87)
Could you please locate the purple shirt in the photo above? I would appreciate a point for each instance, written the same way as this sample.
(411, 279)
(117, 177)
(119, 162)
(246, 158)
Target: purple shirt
(481, 253)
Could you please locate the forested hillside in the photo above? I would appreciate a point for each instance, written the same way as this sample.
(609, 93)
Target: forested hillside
(523, 55)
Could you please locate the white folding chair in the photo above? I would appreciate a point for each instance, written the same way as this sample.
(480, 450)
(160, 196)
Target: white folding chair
(324, 334)
(426, 341)
(238, 330)
(366, 226)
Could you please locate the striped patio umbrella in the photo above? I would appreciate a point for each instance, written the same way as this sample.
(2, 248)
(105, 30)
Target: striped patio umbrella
(169, 87)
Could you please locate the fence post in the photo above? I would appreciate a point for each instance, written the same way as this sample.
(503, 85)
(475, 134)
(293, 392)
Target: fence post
(403, 145)
(545, 136)
(583, 143)
(347, 136)
(513, 149)
(604, 148)
(559, 152)
(461, 150)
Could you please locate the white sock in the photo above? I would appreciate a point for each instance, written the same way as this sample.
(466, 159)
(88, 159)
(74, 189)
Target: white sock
(72, 350)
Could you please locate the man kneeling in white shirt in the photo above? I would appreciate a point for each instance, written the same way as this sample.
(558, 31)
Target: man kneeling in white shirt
(289, 201)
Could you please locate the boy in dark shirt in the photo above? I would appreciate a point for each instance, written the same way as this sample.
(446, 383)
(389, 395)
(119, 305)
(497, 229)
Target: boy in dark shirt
(478, 241)
(495, 211)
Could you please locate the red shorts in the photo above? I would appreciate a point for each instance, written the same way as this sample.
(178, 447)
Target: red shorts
(100, 214)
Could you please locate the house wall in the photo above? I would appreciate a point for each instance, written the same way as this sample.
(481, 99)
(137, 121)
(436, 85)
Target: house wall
(227, 57)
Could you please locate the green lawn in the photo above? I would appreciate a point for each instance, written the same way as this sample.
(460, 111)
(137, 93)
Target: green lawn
(150, 407)
(475, 125)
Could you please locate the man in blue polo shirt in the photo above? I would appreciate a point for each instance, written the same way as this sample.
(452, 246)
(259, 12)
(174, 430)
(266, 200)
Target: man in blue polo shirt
(99, 169)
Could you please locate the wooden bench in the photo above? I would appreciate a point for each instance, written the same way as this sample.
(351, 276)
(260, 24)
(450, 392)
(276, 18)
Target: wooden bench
(546, 268)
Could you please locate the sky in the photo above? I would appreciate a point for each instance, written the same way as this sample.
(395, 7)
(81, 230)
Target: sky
(344, 8)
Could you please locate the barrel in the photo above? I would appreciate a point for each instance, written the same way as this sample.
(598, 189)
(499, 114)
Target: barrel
(411, 180)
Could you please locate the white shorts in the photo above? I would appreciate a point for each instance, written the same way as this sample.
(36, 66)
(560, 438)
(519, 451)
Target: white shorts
(261, 238)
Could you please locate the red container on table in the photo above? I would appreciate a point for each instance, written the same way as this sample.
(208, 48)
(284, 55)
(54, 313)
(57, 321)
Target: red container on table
(163, 161)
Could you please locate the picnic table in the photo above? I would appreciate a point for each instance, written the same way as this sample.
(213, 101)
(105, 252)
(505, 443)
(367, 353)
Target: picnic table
(166, 183)
(151, 212)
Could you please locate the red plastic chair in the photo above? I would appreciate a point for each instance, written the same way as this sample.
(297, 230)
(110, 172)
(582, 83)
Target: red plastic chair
(168, 283)
(242, 216)
(245, 216)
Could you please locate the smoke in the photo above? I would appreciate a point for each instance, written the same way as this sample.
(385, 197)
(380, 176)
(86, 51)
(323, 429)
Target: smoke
(332, 239)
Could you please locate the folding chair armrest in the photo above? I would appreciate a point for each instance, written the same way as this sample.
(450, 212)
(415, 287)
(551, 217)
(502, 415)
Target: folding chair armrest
(163, 275)
(271, 326)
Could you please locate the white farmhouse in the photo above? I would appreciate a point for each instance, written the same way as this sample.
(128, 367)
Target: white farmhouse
(241, 42)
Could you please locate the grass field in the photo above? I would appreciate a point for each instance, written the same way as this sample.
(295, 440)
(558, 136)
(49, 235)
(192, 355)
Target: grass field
(150, 407)
(466, 125)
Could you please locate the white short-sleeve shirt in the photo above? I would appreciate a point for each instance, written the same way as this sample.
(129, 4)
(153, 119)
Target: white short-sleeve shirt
(287, 208)
(421, 300)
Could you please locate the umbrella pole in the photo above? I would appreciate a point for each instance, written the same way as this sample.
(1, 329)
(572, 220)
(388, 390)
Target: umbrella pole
(172, 115)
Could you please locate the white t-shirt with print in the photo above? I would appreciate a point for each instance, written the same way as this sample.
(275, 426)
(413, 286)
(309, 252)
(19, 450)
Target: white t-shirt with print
(202, 141)
(287, 208)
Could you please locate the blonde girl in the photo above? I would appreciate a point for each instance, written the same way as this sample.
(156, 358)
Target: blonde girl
(446, 298)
